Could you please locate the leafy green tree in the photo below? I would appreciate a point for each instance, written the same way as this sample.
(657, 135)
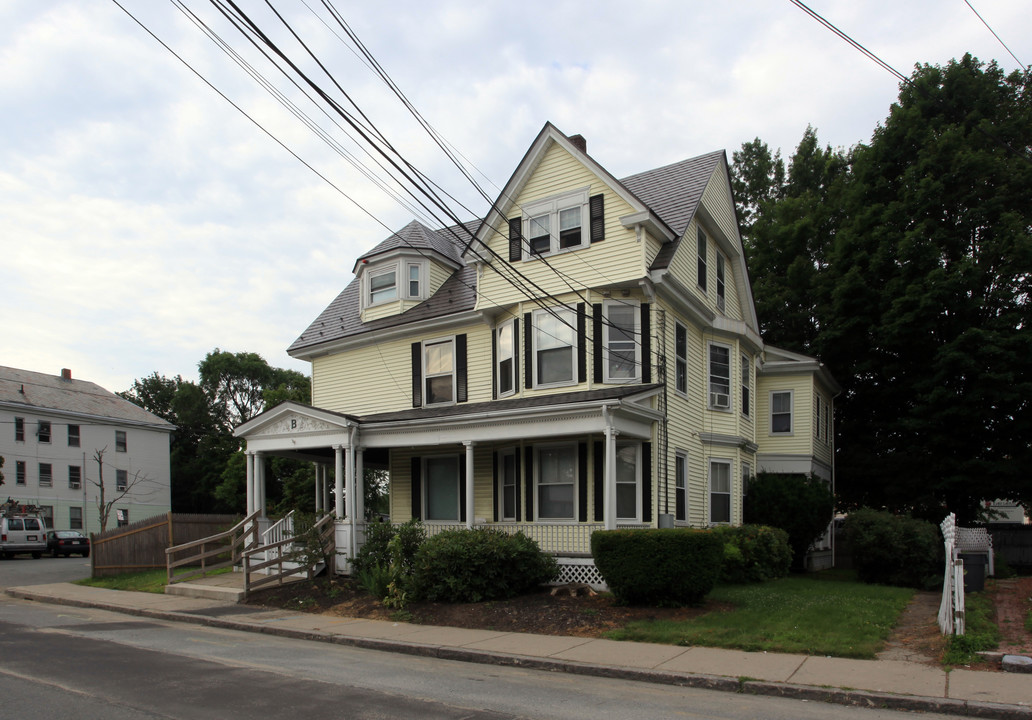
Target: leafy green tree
(801, 506)
(904, 266)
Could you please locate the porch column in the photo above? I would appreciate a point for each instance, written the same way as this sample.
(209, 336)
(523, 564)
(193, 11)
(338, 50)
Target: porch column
(359, 485)
(469, 484)
(338, 481)
(325, 488)
(349, 480)
(249, 456)
(259, 472)
(318, 487)
(609, 504)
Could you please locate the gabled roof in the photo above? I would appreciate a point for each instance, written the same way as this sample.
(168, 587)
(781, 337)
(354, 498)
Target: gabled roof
(674, 191)
(42, 393)
(342, 318)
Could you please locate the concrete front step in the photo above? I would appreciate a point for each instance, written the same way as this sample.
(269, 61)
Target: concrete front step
(208, 592)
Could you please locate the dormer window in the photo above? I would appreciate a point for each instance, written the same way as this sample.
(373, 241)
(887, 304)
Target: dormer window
(396, 279)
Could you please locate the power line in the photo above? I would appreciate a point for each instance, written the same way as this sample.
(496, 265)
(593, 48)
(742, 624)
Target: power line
(979, 16)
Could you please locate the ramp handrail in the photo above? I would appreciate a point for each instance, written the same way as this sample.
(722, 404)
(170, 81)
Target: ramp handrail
(278, 552)
(232, 541)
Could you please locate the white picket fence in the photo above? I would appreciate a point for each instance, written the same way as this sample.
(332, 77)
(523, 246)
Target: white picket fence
(951, 609)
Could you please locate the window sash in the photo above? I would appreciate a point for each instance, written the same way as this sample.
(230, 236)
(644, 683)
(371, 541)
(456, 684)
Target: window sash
(121, 480)
(720, 492)
(43, 431)
(383, 287)
(720, 282)
(720, 369)
(681, 358)
(681, 487)
(439, 372)
(621, 333)
(701, 270)
(120, 441)
(539, 234)
(19, 429)
(781, 412)
(73, 436)
(506, 349)
(19, 472)
(556, 482)
(570, 227)
(74, 477)
(554, 347)
(414, 272)
(46, 474)
(746, 384)
(507, 479)
(628, 495)
(75, 518)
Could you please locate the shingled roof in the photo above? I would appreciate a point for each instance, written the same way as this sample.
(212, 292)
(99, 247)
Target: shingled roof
(673, 192)
(43, 392)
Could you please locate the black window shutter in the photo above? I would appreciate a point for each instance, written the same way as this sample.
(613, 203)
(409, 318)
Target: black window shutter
(417, 488)
(528, 353)
(582, 344)
(494, 364)
(596, 208)
(515, 237)
(528, 455)
(417, 374)
(646, 343)
(646, 482)
(494, 485)
(596, 330)
(599, 478)
(582, 482)
(461, 388)
(679, 507)
(515, 353)
(519, 510)
(462, 489)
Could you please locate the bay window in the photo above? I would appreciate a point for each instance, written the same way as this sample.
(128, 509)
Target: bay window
(781, 412)
(719, 377)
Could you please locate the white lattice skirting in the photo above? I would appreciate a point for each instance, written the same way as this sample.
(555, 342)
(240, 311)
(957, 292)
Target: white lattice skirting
(579, 570)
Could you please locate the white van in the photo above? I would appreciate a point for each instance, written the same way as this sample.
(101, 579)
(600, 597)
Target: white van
(22, 532)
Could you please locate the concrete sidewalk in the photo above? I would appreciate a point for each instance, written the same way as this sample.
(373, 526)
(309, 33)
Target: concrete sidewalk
(868, 683)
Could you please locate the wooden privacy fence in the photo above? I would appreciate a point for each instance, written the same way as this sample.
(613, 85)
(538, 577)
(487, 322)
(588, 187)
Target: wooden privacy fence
(142, 544)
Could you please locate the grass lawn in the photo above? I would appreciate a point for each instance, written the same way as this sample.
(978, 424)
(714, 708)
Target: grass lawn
(153, 581)
(801, 614)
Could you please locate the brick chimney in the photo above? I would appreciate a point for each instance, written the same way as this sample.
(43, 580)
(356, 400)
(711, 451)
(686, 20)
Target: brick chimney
(579, 142)
(66, 374)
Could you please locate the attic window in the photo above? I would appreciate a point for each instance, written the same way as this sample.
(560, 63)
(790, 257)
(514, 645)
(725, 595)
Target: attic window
(557, 224)
(394, 279)
(383, 287)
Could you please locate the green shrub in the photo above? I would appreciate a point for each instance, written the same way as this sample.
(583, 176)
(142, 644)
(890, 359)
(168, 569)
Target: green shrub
(754, 553)
(375, 552)
(673, 566)
(476, 565)
(895, 550)
(800, 505)
(375, 580)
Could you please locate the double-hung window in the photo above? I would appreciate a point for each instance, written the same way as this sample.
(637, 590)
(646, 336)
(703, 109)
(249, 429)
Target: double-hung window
(121, 517)
(556, 482)
(442, 488)
(628, 481)
(73, 436)
(19, 429)
(746, 384)
(43, 431)
(75, 518)
(439, 371)
(781, 412)
(681, 486)
(505, 349)
(720, 491)
(555, 347)
(556, 224)
(621, 335)
(383, 286)
(120, 441)
(507, 480)
(121, 480)
(74, 477)
(701, 268)
(46, 474)
(681, 358)
(721, 286)
(19, 472)
(719, 377)
(415, 275)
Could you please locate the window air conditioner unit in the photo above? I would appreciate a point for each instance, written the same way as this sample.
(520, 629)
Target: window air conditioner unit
(719, 400)
(73, 486)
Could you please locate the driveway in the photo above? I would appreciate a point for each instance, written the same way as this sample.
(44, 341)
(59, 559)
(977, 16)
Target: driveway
(22, 570)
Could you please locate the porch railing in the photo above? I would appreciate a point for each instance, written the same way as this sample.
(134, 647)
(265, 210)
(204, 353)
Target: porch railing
(272, 563)
(273, 537)
(567, 539)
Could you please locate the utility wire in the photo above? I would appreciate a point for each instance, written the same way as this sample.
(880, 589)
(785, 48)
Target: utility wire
(979, 16)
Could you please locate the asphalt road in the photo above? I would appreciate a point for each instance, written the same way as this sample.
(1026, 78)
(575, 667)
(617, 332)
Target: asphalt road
(86, 663)
(23, 570)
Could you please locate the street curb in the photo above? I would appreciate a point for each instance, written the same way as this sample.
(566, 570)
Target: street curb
(835, 696)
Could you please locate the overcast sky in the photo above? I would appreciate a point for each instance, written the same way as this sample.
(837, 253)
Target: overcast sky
(144, 221)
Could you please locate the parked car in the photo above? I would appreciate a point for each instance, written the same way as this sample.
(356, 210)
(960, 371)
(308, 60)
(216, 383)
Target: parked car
(21, 532)
(67, 542)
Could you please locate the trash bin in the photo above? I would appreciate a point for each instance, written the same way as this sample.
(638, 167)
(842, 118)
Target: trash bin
(974, 571)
